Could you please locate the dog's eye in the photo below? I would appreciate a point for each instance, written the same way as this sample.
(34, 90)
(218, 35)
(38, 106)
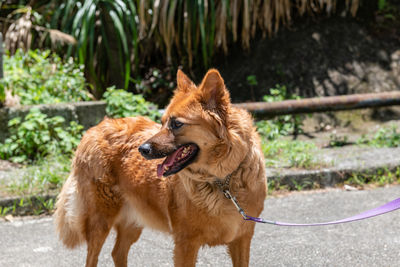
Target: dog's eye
(176, 124)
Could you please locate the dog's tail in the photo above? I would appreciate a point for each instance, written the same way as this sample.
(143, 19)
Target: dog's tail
(69, 214)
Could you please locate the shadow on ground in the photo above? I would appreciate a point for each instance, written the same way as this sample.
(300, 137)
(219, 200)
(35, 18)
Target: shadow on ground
(331, 56)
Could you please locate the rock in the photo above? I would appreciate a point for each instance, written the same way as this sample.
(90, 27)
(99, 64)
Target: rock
(350, 188)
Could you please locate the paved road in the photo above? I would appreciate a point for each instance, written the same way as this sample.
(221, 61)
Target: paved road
(374, 242)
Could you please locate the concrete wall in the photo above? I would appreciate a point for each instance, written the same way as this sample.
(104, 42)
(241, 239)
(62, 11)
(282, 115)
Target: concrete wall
(87, 114)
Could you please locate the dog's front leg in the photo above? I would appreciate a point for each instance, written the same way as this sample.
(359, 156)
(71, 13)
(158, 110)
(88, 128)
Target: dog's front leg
(239, 250)
(185, 253)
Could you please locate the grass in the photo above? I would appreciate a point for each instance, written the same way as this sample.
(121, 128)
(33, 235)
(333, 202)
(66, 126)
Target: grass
(285, 153)
(278, 151)
(384, 137)
(379, 177)
(46, 177)
(338, 141)
(35, 205)
(37, 188)
(275, 186)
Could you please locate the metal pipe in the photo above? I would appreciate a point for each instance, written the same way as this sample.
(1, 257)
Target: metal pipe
(321, 104)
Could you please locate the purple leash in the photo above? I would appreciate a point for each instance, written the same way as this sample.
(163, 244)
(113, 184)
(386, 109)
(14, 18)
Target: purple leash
(388, 207)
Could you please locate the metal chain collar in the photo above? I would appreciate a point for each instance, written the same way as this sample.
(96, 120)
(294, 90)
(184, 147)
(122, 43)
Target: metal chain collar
(224, 187)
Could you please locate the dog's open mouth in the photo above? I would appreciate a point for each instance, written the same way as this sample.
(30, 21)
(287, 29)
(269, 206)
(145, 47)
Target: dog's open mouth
(178, 160)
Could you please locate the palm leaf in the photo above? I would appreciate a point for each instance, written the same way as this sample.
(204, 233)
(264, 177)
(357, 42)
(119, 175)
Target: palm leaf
(200, 6)
(120, 31)
(156, 12)
(189, 30)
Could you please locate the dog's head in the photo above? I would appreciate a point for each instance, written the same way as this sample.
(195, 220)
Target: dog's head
(194, 126)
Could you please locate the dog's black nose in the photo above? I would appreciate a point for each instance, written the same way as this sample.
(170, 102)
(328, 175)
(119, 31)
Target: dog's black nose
(145, 150)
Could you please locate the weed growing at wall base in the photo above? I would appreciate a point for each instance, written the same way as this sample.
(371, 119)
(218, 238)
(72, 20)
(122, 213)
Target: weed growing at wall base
(379, 177)
(35, 205)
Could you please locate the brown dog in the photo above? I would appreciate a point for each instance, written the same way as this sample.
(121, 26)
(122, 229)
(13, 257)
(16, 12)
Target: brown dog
(204, 140)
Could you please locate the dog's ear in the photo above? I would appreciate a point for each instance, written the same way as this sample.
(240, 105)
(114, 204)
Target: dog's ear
(214, 95)
(183, 81)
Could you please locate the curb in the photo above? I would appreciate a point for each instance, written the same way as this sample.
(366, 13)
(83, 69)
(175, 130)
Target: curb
(347, 162)
(292, 179)
(328, 177)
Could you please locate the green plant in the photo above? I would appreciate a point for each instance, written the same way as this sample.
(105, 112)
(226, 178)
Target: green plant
(124, 104)
(384, 137)
(362, 140)
(2, 94)
(379, 177)
(4, 210)
(107, 35)
(48, 204)
(252, 80)
(280, 152)
(282, 125)
(272, 185)
(155, 79)
(114, 38)
(45, 176)
(37, 135)
(279, 93)
(381, 4)
(389, 13)
(43, 205)
(337, 141)
(275, 185)
(288, 153)
(356, 179)
(270, 130)
(39, 77)
(304, 184)
(31, 205)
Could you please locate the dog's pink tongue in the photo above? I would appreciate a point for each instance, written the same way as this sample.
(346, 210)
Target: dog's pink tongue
(160, 169)
(168, 162)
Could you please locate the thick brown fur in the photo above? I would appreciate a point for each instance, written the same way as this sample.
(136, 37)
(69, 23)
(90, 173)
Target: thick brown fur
(112, 185)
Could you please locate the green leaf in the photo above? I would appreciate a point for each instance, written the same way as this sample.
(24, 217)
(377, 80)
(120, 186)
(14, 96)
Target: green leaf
(118, 26)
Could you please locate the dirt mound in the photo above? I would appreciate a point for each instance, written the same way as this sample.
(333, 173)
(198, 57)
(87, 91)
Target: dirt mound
(333, 56)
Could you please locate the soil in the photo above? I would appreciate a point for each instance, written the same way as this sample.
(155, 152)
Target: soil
(320, 57)
(314, 56)
(321, 128)
(7, 165)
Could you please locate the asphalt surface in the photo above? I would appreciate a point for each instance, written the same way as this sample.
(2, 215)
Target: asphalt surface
(373, 242)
